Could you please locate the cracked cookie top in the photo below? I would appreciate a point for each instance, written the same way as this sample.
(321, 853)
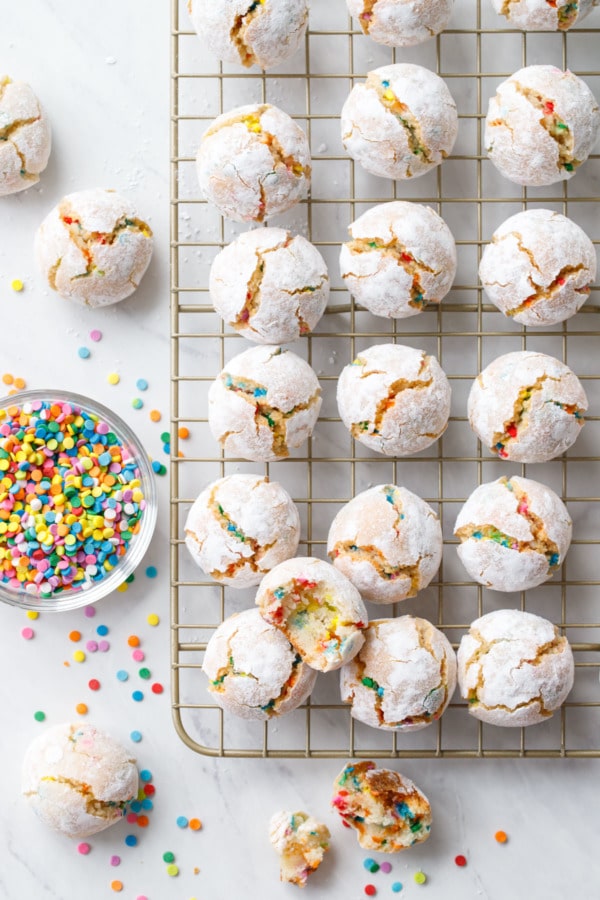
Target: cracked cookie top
(401, 122)
(25, 139)
(93, 248)
(265, 402)
(514, 668)
(544, 15)
(240, 527)
(301, 842)
(404, 676)
(538, 268)
(269, 285)
(78, 779)
(394, 399)
(388, 542)
(541, 125)
(252, 669)
(514, 533)
(400, 258)
(401, 24)
(250, 32)
(527, 407)
(253, 163)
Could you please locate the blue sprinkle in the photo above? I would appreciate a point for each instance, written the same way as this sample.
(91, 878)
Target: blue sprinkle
(182, 822)
(368, 863)
(156, 466)
(137, 696)
(131, 840)
(136, 736)
(260, 392)
(141, 384)
(146, 775)
(147, 803)
(554, 559)
(84, 353)
(102, 630)
(135, 806)
(397, 887)
(122, 675)
(151, 571)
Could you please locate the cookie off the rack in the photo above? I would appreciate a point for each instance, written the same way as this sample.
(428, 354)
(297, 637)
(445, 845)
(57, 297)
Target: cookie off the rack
(404, 23)
(25, 139)
(543, 15)
(301, 842)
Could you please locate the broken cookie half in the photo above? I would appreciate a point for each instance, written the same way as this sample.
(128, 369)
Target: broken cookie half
(301, 842)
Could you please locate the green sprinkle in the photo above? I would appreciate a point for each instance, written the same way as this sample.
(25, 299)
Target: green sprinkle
(39, 716)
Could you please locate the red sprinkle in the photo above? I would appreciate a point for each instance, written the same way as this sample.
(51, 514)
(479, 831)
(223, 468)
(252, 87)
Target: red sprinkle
(157, 688)
(94, 684)
(131, 818)
(370, 890)
(149, 790)
(512, 431)
(460, 860)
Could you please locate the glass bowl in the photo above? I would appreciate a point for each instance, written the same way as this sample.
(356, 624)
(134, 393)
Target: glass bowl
(91, 589)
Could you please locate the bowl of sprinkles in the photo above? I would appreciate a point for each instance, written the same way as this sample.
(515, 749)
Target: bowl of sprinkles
(77, 500)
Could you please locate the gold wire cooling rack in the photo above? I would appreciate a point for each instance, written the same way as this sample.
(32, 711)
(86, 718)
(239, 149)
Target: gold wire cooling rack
(464, 332)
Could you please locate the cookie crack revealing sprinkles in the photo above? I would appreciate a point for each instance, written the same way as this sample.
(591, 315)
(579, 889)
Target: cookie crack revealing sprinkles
(541, 293)
(253, 287)
(407, 119)
(238, 32)
(397, 387)
(558, 130)
(366, 15)
(232, 528)
(103, 809)
(519, 418)
(394, 249)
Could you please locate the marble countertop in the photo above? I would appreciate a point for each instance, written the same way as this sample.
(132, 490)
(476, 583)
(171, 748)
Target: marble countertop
(101, 71)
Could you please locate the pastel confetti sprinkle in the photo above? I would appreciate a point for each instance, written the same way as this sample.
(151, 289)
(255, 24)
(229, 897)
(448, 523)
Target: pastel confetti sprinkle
(89, 612)
(91, 646)
(138, 655)
(103, 646)
(151, 571)
(155, 415)
(158, 468)
(32, 614)
(153, 619)
(501, 837)
(182, 822)
(122, 675)
(136, 736)
(94, 684)
(370, 865)
(113, 378)
(386, 867)
(141, 384)
(84, 352)
(460, 860)
(131, 840)
(137, 696)
(27, 633)
(95, 335)
(81, 709)
(17, 285)
(420, 877)
(83, 848)
(79, 656)
(39, 716)
(397, 887)
(157, 688)
(102, 630)
(168, 857)
(115, 860)
(7, 378)
(137, 403)
(195, 824)
(172, 870)
(146, 775)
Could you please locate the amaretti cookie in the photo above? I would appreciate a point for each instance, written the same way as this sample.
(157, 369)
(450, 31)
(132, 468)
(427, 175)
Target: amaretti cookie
(527, 407)
(403, 677)
(93, 248)
(388, 812)
(318, 610)
(253, 163)
(301, 842)
(265, 402)
(401, 23)
(25, 137)
(270, 285)
(394, 399)
(388, 542)
(538, 267)
(252, 669)
(240, 527)
(77, 779)
(401, 122)
(252, 32)
(400, 258)
(543, 15)
(514, 534)
(514, 668)
(541, 125)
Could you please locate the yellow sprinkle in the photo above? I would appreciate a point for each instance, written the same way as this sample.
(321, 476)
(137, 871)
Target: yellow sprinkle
(32, 614)
(123, 587)
(113, 378)
(17, 285)
(79, 656)
(153, 619)
(388, 95)
(172, 870)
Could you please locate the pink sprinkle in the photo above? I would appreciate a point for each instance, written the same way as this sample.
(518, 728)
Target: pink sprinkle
(103, 646)
(83, 848)
(90, 612)
(115, 860)
(131, 818)
(92, 646)
(138, 655)
(141, 897)
(27, 633)
(386, 867)
(95, 335)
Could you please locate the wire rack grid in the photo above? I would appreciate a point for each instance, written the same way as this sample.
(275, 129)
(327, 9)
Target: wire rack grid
(465, 333)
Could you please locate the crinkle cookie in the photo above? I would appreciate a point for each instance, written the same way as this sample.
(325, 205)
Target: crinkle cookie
(514, 668)
(403, 677)
(527, 407)
(541, 125)
(401, 122)
(301, 842)
(394, 399)
(25, 138)
(400, 258)
(514, 533)
(240, 527)
(265, 402)
(401, 23)
(388, 811)
(538, 268)
(388, 542)
(252, 669)
(544, 15)
(78, 779)
(93, 248)
(318, 610)
(254, 162)
(252, 32)
(270, 285)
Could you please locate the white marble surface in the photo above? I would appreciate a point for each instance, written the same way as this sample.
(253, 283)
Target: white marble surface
(102, 72)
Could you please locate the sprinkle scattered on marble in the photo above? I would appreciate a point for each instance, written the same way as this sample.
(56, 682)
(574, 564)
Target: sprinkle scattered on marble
(39, 716)
(501, 837)
(17, 285)
(84, 352)
(151, 571)
(122, 675)
(81, 709)
(153, 620)
(115, 860)
(155, 415)
(94, 684)
(83, 848)
(113, 378)
(420, 877)
(460, 860)
(95, 335)
(141, 384)
(136, 736)
(27, 633)
(131, 840)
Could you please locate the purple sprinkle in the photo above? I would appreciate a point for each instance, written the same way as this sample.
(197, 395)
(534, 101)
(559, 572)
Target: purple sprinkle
(102, 428)
(103, 646)
(115, 860)
(386, 867)
(92, 646)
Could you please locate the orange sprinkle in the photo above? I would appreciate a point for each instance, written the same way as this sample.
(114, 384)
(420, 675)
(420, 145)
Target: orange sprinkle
(501, 837)
(143, 821)
(116, 886)
(8, 378)
(20, 383)
(75, 636)
(184, 433)
(195, 824)
(133, 640)
(155, 415)
(81, 708)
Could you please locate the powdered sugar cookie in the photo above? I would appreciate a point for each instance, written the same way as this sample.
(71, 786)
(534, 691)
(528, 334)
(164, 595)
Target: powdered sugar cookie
(401, 122)
(400, 258)
(543, 15)
(301, 842)
(394, 399)
(403, 677)
(270, 286)
(514, 533)
(388, 812)
(401, 23)
(77, 779)
(252, 669)
(318, 610)
(25, 139)
(541, 125)
(388, 542)
(240, 527)
(251, 32)
(253, 163)
(93, 248)
(514, 668)
(527, 407)
(265, 402)
(538, 267)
